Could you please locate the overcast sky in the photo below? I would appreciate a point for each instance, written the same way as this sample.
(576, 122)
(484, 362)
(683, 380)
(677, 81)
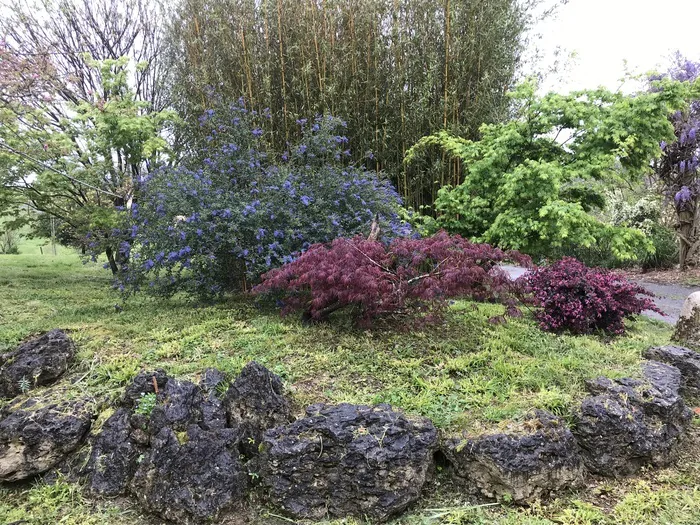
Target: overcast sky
(605, 33)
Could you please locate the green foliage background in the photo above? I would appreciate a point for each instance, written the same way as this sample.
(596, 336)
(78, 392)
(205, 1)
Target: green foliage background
(538, 182)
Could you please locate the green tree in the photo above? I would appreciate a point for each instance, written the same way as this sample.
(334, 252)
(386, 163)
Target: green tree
(83, 169)
(537, 182)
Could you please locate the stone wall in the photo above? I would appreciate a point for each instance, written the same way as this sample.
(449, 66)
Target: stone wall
(192, 453)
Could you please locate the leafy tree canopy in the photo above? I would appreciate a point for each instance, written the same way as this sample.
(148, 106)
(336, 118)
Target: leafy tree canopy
(81, 168)
(537, 182)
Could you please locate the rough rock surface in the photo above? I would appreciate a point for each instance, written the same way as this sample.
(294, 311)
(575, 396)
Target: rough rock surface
(687, 331)
(114, 456)
(629, 423)
(255, 402)
(182, 404)
(348, 460)
(142, 385)
(179, 460)
(181, 457)
(212, 379)
(191, 476)
(521, 465)
(37, 433)
(38, 362)
(123, 439)
(685, 360)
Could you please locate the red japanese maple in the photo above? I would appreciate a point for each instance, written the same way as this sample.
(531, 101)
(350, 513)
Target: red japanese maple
(407, 276)
(581, 300)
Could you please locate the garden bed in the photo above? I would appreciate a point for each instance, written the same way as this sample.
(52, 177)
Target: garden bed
(467, 375)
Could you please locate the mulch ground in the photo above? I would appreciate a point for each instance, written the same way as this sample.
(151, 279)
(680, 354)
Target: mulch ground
(688, 277)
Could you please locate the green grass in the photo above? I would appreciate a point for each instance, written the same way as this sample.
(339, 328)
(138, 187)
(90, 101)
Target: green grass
(36, 246)
(467, 376)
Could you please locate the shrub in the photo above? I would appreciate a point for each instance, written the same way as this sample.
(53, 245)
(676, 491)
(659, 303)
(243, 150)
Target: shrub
(582, 300)
(406, 276)
(237, 212)
(9, 242)
(665, 253)
(420, 221)
(526, 190)
(646, 213)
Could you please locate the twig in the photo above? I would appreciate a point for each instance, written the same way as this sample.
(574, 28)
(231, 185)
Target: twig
(374, 230)
(419, 277)
(281, 517)
(370, 259)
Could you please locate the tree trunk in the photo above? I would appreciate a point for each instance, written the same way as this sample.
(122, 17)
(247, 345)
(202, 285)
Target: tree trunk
(112, 261)
(685, 229)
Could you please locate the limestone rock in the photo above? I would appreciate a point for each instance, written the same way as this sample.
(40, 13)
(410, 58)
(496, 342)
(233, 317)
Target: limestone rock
(192, 476)
(181, 404)
(685, 360)
(114, 456)
(143, 384)
(212, 379)
(180, 457)
(687, 330)
(348, 460)
(37, 433)
(522, 464)
(255, 402)
(629, 423)
(38, 362)
(127, 435)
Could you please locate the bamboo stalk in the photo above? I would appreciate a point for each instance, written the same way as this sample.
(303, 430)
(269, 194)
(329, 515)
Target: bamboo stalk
(284, 87)
(447, 56)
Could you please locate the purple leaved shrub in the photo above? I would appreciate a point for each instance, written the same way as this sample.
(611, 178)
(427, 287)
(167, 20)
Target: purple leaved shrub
(582, 300)
(409, 277)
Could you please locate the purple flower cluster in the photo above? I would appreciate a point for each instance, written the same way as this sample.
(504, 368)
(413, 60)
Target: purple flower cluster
(205, 225)
(681, 159)
(683, 196)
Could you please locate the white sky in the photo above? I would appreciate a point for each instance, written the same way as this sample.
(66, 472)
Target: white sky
(602, 34)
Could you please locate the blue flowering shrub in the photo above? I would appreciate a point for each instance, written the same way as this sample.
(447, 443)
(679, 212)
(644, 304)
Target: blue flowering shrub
(218, 223)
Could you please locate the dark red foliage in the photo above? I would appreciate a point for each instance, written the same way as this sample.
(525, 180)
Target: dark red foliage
(582, 300)
(406, 276)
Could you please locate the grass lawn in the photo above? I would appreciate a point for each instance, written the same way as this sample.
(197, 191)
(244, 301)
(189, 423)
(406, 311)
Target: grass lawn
(467, 376)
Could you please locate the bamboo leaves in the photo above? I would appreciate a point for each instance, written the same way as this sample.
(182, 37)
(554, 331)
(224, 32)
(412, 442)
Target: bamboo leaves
(395, 70)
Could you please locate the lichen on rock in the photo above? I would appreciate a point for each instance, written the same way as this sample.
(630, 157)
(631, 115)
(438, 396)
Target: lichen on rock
(37, 433)
(521, 464)
(629, 423)
(348, 460)
(38, 362)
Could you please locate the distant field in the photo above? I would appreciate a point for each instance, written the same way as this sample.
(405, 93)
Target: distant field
(38, 246)
(42, 247)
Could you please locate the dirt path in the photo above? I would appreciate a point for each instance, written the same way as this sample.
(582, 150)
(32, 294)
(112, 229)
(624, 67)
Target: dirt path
(669, 297)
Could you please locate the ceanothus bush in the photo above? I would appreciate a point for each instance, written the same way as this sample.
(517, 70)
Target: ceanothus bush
(216, 223)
